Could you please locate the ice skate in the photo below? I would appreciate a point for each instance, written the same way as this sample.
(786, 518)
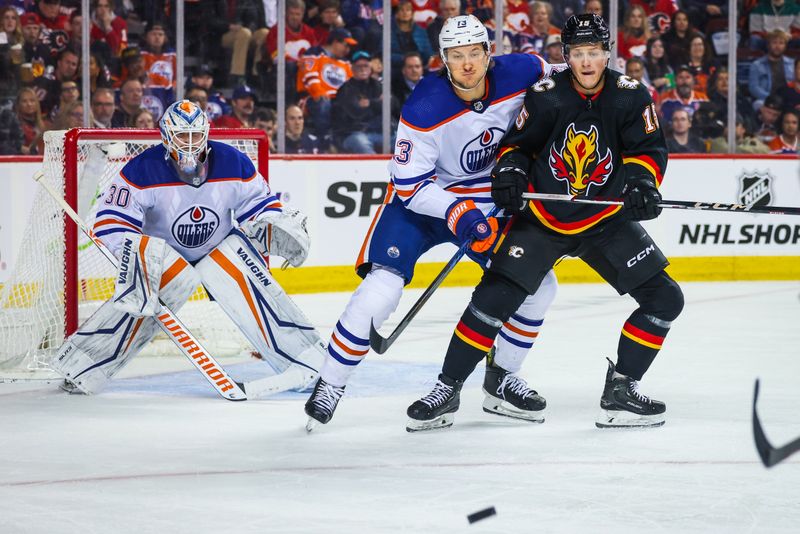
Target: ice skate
(623, 406)
(70, 388)
(322, 403)
(436, 409)
(509, 395)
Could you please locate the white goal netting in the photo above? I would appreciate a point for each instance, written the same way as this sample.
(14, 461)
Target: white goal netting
(42, 300)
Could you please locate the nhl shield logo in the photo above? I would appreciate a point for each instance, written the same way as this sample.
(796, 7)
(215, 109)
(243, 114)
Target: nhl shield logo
(755, 189)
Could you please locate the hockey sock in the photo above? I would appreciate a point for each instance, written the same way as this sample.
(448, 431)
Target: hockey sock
(520, 332)
(372, 303)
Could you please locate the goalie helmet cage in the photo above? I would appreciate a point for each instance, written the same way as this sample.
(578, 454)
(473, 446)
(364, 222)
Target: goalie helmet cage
(59, 276)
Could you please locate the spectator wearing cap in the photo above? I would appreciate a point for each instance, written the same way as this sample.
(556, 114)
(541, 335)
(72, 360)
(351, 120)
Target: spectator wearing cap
(406, 81)
(108, 27)
(103, 107)
(683, 96)
(407, 36)
(243, 105)
(160, 64)
(767, 118)
(771, 15)
(746, 143)
(786, 140)
(681, 140)
(330, 18)
(321, 73)
(357, 110)
(447, 9)
(553, 51)
(299, 141)
(773, 71)
(633, 35)
(130, 100)
(217, 104)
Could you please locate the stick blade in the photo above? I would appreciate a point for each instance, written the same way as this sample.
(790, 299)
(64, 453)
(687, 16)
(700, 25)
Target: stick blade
(763, 445)
(377, 342)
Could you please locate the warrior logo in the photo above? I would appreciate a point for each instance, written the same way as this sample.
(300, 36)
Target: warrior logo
(578, 162)
(755, 189)
(479, 153)
(195, 226)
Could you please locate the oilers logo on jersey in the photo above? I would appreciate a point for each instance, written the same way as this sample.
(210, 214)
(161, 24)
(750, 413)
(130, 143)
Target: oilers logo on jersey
(334, 75)
(195, 226)
(479, 153)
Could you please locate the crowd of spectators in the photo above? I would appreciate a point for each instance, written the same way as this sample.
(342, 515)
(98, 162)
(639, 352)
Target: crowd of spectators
(334, 66)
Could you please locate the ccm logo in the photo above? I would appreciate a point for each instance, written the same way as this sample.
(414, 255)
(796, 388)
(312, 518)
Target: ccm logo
(642, 255)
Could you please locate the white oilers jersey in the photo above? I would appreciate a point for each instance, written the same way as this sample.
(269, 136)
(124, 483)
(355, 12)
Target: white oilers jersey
(446, 148)
(148, 197)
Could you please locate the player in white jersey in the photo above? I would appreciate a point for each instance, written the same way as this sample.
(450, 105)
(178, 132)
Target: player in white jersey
(440, 192)
(191, 211)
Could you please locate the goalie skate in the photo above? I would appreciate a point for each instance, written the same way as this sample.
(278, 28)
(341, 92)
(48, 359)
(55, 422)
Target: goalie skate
(436, 409)
(508, 395)
(623, 406)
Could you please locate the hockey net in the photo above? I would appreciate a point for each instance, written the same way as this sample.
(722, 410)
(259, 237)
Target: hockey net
(60, 278)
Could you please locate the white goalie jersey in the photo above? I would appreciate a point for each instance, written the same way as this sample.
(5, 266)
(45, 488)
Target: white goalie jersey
(148, 197)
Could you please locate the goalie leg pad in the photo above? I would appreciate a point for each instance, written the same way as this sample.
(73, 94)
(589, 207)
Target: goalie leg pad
(109, 338)
(235, 273)
(139, 277)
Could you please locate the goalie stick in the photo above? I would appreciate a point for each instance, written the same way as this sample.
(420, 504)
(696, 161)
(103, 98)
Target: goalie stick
(381, 344)
(670, 204)
(179, 334)
(769, 455)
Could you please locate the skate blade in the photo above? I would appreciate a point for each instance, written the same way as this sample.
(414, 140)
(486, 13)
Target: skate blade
(311, 424)
(502, 408)
(443, 421)
(623, 419)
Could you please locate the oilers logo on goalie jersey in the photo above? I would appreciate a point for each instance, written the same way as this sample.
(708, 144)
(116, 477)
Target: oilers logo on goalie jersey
(195, 226)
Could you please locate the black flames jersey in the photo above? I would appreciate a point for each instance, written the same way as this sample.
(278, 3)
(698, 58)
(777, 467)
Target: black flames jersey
(585, 146)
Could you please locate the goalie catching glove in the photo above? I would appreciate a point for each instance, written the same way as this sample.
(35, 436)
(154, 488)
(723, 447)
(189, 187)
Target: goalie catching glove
(280, 233)
(141, 262)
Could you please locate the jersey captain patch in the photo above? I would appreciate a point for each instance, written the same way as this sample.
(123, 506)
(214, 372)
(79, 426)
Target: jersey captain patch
(578, 162)
(195, 226)
(478, 154)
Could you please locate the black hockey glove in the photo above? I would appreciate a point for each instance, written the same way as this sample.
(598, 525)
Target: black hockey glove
(509, 181)
(641, 198)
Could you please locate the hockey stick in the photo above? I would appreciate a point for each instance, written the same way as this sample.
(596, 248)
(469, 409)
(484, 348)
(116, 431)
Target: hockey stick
(671, 204)
(769, 454)
(380, 344)
(167, 320)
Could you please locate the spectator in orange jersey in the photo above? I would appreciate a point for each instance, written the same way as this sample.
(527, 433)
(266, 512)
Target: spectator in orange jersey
(160, 63)
(786, 141)
(683, 96)
(321, 73)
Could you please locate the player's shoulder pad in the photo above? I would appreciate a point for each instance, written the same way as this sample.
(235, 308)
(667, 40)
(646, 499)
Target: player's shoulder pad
(431, 103)
(150, 169)
(516, 72)
(228, 163)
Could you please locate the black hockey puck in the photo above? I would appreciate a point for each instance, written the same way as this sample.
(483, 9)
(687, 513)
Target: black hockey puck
(481, 514)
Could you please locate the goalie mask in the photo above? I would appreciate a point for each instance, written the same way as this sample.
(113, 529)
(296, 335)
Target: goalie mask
(184, 132)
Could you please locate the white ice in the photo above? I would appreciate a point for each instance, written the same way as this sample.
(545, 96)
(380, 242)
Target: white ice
(158, 452)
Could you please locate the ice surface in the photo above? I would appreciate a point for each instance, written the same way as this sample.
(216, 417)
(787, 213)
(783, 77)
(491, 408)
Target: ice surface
(161, 453)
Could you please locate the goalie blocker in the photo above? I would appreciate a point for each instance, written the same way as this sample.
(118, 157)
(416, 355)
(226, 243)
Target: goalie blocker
(238, 278)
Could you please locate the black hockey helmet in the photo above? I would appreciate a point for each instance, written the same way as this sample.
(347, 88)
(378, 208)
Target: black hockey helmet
(585, 29)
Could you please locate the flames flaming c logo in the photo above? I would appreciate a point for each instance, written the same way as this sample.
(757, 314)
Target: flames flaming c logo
(578, 162)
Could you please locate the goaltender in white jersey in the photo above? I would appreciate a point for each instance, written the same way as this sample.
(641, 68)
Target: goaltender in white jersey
(440, 192)
(186, 212)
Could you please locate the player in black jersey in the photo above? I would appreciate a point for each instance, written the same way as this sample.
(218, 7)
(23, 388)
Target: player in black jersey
(591, 132)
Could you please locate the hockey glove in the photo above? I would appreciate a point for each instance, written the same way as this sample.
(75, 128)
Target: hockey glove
(641, 198)
(467, 222)
(280, 233)
(509, 181)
